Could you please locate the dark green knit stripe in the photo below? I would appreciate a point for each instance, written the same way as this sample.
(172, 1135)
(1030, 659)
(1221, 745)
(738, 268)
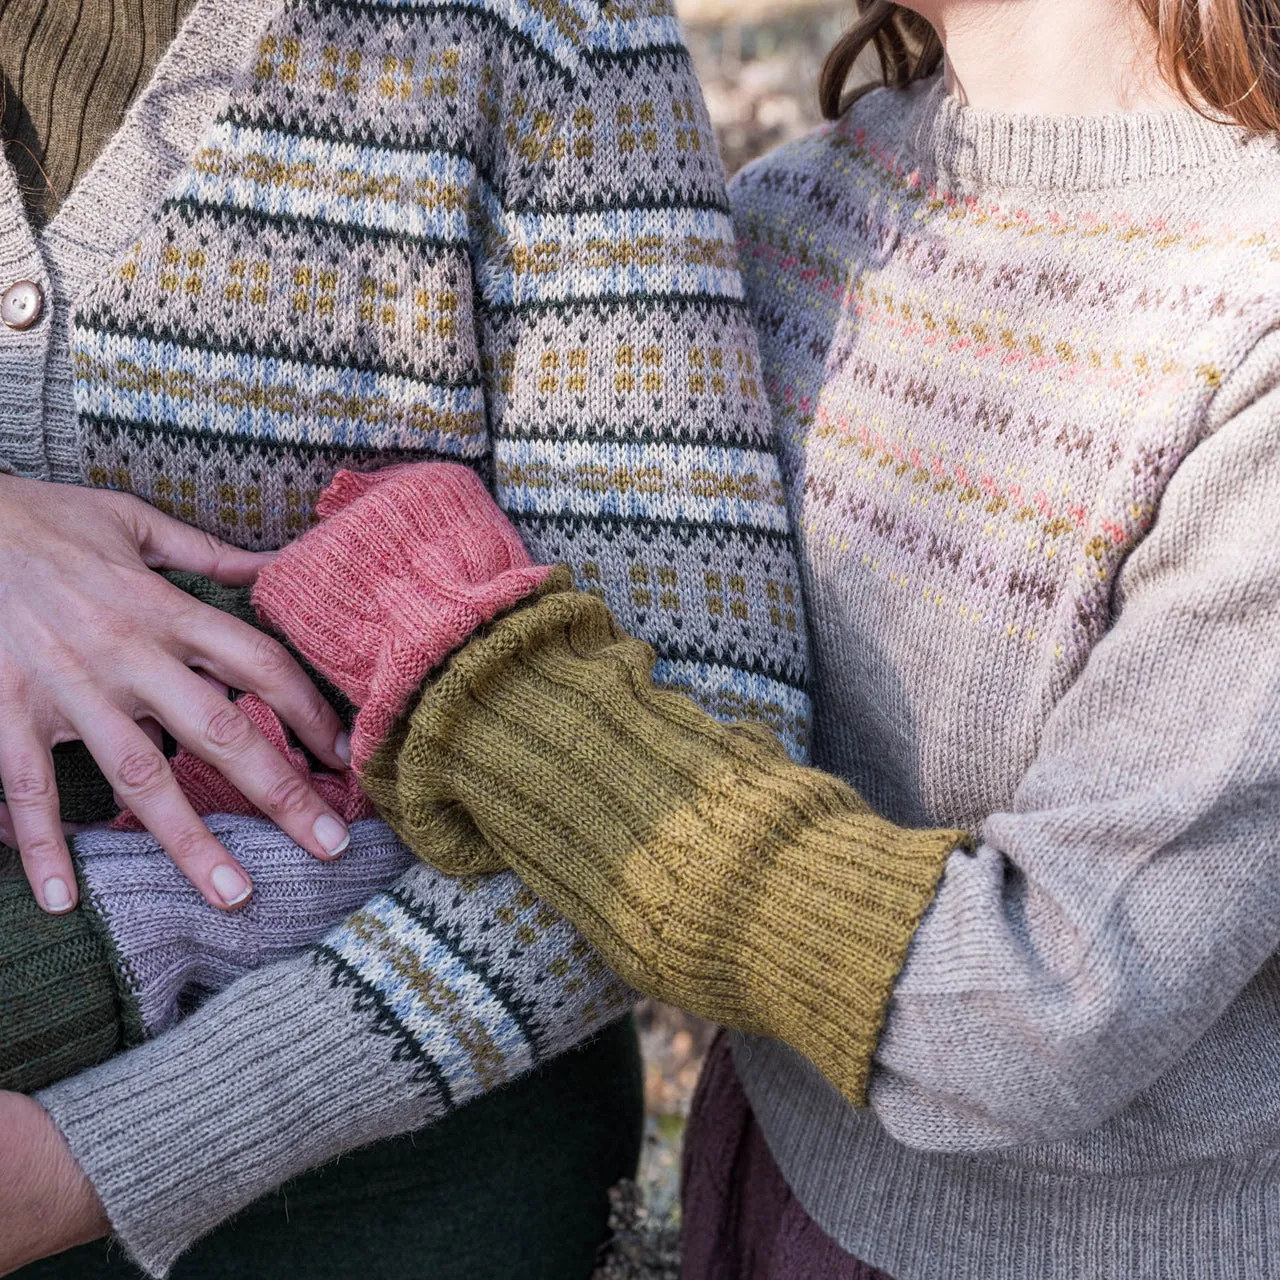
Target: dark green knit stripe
(242, 445)
(478, 19)
(348, 233)
(299, 123)
(371, 1002)
(502, 988)
(685, 530)
(643, 431)
(607, 304)
(199, 339)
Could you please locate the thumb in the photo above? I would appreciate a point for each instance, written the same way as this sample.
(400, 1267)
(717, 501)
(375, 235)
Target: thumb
(166, 543)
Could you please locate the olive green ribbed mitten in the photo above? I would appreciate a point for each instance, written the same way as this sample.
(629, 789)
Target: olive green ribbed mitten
(708, 869)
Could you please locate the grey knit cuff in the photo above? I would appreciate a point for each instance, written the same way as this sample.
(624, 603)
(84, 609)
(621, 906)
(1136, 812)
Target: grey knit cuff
(271, 1078)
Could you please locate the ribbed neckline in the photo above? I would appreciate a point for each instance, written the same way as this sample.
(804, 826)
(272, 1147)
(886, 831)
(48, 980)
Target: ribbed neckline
(978, 147)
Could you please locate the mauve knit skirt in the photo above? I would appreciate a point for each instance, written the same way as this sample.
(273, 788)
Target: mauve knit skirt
(741, 1221)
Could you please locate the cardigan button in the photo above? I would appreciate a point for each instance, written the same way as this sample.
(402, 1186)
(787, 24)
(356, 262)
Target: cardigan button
(21, 305)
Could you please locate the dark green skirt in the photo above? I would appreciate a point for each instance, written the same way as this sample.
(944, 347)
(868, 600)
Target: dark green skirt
(513, 1185)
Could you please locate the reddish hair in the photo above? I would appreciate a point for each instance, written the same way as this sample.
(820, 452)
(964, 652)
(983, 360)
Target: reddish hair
(1223, 56)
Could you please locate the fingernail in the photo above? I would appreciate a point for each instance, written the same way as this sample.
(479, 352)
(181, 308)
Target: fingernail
(333, 836)
(230, 885)
(57, 897)
(342, 748)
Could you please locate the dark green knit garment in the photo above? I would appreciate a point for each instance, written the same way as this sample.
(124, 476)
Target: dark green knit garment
(70, 70)
(510, 1187)
(58, 1001)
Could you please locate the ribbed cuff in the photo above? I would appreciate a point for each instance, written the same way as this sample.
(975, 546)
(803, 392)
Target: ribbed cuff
(59, 1009)
(273, 1078)
(167, 944)
(707, 868)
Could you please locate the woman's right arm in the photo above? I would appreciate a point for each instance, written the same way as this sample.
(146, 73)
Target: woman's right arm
(433, 993)
(92, 640)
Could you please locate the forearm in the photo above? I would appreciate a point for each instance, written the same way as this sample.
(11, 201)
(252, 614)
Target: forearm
(709, 869)
(430, 995)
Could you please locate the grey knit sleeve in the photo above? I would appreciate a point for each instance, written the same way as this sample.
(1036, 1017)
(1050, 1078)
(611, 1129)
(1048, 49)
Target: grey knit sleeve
(1132, 888)
(432, 994)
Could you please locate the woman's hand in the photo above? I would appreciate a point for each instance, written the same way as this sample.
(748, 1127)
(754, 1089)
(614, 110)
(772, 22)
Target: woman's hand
(92, 641)
(46, 1203)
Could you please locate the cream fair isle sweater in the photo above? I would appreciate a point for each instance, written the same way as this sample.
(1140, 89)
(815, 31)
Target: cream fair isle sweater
(1024, 373)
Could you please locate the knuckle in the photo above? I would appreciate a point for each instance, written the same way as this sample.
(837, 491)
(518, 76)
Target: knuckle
(185, 846)
(288, 794)
(40, 849)
(272, 659)
(228, 728)
(141, 772)
(114, 627)
(28, 784)
(313, 709)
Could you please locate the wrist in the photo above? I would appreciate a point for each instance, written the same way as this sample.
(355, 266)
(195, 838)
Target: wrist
(46, 1202)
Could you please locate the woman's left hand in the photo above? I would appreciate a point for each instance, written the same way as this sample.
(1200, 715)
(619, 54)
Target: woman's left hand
(46, 1203)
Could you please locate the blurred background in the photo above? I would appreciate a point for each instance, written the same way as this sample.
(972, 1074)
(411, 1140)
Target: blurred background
(758, 61)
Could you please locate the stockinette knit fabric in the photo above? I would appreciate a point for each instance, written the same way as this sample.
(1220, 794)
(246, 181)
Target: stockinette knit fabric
(60, 1005)
(336, 236)
(143, 948)
(709, 869)
(70, 70)
(431, 994)
(405, 564)
(1025, 378)
(415, 234)
(208, 791)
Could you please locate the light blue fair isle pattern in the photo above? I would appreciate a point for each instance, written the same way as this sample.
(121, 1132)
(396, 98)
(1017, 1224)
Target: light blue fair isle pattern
(450, 1014)
(691, 484)
(720, 689)
(226, 393)
(616, 253)
(655, 29)
(415, 194)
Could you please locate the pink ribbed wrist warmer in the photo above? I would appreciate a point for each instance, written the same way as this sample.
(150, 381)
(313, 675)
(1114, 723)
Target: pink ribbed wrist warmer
(405, 564)
(209, 792)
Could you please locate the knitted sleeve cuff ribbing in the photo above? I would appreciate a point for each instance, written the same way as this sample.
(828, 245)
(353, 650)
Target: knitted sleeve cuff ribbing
(708, 869)
(59, 1001)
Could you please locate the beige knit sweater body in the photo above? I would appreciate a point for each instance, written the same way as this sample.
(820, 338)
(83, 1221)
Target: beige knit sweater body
(1024, 373)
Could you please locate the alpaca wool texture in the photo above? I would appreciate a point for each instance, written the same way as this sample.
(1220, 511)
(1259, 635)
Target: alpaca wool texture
(405, 564)
(708, 869)
(1025, 379)
(337, 236)
(143, 945)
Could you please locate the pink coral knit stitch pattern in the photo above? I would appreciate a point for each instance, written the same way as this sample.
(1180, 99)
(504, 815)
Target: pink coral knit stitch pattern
(442, 560)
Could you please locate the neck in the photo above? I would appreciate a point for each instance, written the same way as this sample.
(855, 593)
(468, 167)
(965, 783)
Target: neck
(1049, 57)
